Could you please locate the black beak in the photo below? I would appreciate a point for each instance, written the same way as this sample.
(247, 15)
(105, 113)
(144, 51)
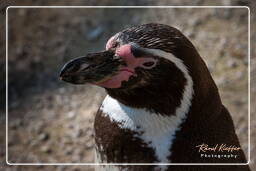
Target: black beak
(91, 68)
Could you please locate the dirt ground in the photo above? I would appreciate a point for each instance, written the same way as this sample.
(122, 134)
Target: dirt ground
(50, 121)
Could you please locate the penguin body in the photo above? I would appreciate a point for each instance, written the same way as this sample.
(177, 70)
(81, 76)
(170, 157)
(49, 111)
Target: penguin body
(162, 105)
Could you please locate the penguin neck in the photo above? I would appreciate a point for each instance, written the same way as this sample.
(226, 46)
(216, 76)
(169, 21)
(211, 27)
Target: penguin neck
(151, 98)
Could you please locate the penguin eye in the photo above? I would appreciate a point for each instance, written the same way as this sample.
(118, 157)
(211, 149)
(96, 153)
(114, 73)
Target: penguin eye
(148, 64)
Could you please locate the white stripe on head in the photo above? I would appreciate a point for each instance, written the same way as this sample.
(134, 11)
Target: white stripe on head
(188, 89)
(158, 131)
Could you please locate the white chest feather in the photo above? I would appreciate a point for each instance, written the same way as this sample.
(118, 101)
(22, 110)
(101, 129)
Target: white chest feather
(157, 131)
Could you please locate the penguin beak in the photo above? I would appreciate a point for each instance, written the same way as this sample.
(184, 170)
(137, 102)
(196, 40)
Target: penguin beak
(92, 68)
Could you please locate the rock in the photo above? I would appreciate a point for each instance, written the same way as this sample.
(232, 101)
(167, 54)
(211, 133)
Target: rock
(15, 124)
(14, 104)
(46, 149)
(51, 115)
(193, 22)
(10, 143)
(40, 166)
(232, 63)
(66, 140)
(68, 150)
(70, 125)
(61, 168)
(95, 33)
(226, 2)
(223, 13)
(89, 145)
(79, 133)
(71, 114)
(198, 2)
(239, 74)
(242, 2)
(77, 154)
(43, 137)
(33, 143)
(238, 102)
(38, 128)
(221, 81)
(62, 90)
(90, 132)
(77, 169)
(222, 44)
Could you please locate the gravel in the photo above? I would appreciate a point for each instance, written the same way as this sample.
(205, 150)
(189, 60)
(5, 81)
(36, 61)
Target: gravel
(51, 121)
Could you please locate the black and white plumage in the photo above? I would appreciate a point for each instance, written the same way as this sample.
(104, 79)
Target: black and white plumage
(162, 101)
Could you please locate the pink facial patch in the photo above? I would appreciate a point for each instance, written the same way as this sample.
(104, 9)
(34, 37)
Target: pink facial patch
(125, 72)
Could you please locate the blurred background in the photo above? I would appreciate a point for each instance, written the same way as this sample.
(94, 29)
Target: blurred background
(51, 121)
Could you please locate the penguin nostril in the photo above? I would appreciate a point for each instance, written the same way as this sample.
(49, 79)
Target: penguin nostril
(84, 67)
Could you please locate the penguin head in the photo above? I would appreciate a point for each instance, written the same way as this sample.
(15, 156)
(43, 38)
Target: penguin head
(134, 58)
